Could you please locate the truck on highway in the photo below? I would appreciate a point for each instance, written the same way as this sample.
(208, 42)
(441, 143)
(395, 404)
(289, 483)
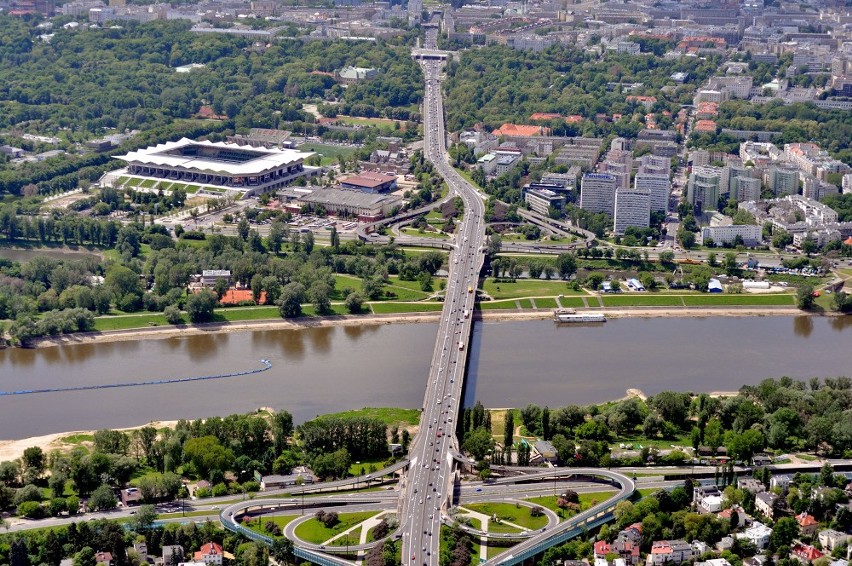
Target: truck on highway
(465, 313)
(461, 345)
(470, 288)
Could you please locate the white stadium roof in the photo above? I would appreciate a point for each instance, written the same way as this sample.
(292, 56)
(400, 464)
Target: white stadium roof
(168, 155)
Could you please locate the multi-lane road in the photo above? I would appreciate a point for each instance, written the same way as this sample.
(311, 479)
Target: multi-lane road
(428, 483)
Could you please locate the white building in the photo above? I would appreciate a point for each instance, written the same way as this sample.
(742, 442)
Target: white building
(782, 180)
(632, 208)
(229, 166)
(541, 200)
(751, 234)
(704, 188)
(757, 534)
(597, 193)
(711, 503)
(659, 186)
(745, 189)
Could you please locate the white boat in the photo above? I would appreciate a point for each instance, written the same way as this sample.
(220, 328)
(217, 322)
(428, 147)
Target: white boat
(582, 317)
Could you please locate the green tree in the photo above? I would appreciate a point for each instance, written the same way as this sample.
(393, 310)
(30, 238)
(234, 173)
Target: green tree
(207, 455)
(172, 314)
(508, 435)
(354, 303)
(103, 499)
(145, 517)
(290, 302)
(320, 294)
(805, 296)
(478, 443)
(33, 463)
(786, 529)
(86, 557)
(200, 305)
(566, 265)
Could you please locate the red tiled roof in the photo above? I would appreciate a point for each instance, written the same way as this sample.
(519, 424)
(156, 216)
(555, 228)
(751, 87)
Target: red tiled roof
(806, 552)
(602, 548)
(848, 242)
(705, 126)
(806, 520)
(208, 549)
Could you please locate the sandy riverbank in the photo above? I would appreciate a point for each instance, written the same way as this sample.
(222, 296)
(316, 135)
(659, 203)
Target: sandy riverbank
(404, 318)
(13, 449)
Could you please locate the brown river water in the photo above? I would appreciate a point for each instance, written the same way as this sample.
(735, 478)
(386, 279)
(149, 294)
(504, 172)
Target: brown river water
(322, 370)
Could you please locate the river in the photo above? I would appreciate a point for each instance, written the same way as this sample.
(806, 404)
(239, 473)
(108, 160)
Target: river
(322, 370)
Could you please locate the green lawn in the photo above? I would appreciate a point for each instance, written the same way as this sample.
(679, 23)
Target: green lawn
(546, 303)
(575, 302)
(518, 515)
(350, 538)
(77, 438)
(356, 467)
(328, 153)
(586, 501)
(282, 521)
(739, 300)
(392, 308)
(641, 301)
(317, 533)
(236, 314)
(388, 415)
(527, 288)
(497, 305)
(106, 323)
(148, 183)
(424, 234)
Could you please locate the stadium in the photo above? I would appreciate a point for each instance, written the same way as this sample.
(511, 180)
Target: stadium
(217, 168)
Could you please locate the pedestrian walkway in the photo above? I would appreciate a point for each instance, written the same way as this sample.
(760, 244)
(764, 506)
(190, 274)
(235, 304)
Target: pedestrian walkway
(365, 530)
(485, 520)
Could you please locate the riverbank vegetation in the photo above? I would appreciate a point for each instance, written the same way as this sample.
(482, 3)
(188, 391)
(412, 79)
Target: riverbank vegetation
(224, 454)
(779, 416)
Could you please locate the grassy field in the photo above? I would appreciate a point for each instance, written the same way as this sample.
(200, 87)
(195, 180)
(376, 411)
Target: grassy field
(388, 415)
(317, 533)
(106, 323)
(518, 515)
(641, 301)
(384, 123)
(575, 302)
(329, 153)
(498, 305)
(77, 438)
(739, 300)
(350, 538)
(282, 521)
(587, 500)
(546, 303)
(392, 308)
(527, 288)
(424, 234)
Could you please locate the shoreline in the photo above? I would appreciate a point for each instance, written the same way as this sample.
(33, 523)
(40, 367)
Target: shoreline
(162, 332)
